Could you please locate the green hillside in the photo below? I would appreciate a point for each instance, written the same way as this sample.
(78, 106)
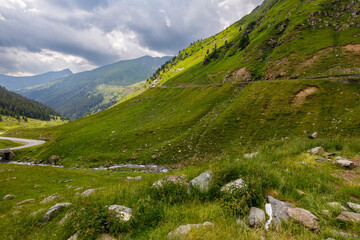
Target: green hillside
(208, 104)
(264, 86)
(96, 90)
(16, 83)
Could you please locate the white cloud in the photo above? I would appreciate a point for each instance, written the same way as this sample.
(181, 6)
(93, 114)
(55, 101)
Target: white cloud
(79, 34)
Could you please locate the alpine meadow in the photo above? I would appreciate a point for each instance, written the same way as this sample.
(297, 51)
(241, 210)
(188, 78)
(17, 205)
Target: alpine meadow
(252, 133)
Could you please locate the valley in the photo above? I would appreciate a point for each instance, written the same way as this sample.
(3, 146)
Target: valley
(252, 133)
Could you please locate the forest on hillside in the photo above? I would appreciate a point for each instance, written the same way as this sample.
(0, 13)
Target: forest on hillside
(15, 105)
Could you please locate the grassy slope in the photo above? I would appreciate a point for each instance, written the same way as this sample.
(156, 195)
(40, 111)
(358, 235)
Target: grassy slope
(277, 169)
(9, 123)
(4, 144)
(178, 124)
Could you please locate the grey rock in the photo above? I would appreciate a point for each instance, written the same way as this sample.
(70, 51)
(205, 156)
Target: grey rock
(314, 135)
(88, 192)
(305, 217)
(279, 209)
(9, 196)
(233, 186)
(122, 212)
(67, 181)
(317, 150)
(256, 217)
(320, 160)
(201, 182)
(26, 201)
(185, 229)
(176, 179)
(137, 178)
(353, 206)
(346, 163)
(337, 205)
(11, 178)
(50, 199)
(51, 213)
(349, 216)
(344, 235)
(339, 158)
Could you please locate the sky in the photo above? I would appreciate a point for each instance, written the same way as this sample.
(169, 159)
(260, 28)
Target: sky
(38, 36)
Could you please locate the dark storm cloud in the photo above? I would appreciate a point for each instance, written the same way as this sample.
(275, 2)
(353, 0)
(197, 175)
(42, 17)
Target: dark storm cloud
(42, 35)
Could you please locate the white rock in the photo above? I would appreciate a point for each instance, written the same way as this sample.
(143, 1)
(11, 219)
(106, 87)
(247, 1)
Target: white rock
(337, 205)
(74, 237)
(88, 192)
(233, 186)
(26, 201)
(269, 212)
(123, 213)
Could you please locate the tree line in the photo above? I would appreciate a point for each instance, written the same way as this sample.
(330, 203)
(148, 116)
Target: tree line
(15, 105)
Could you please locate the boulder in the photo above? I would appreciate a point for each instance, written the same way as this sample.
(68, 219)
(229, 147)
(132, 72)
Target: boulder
(305, 217)
(317, 150)
(201, 182)
(234, 186)
(176, 179)
(9, 156)
(185, 229)
(256, 217)
(353, 206)
(9, 196)
(122, 212)
(54, 159)
(349, 216)
(346, 163)
(344, 235)
(51, 213)
(279, 209)
(26, 201)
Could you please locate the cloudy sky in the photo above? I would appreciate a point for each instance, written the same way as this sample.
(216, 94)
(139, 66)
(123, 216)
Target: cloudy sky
(37, 36)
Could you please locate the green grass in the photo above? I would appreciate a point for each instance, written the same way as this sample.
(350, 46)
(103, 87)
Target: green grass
(276, 169)
(184, 125)
(8, 144)
(9, 123)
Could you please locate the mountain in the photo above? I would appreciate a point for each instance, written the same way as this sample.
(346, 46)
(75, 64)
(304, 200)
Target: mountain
(16, 83)
(15, 105)
(288, 69)
(95, 90)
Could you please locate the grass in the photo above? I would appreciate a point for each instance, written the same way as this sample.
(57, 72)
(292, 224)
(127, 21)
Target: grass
(4, 144)
(9, 123)
(276, 168)
(188, 125)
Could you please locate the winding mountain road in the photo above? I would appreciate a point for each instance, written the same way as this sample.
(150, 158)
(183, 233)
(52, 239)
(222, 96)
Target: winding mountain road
(28, 143)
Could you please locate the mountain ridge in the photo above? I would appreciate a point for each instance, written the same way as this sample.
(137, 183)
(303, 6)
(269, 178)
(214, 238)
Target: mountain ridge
(15, 83)
(78, 94)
